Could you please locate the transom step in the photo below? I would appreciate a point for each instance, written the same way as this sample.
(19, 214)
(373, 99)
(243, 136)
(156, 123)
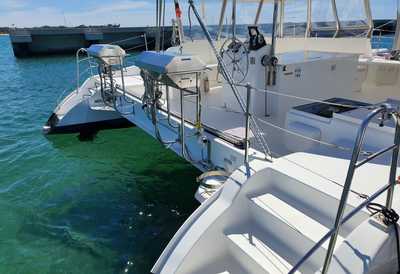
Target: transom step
(294, 218)
(263, 255)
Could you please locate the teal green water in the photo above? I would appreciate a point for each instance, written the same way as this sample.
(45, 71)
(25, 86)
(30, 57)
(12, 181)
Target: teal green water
(106, 206)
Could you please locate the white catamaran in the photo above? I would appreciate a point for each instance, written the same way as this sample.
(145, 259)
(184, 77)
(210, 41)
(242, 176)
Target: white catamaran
(298, 138)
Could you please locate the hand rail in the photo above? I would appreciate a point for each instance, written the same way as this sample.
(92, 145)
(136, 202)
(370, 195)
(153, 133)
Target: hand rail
(385, 110)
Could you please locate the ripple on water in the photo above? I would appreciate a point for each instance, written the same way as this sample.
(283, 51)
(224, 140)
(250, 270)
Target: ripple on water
(106, 206)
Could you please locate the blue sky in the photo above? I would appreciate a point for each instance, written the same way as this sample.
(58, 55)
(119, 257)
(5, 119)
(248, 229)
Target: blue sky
(24, 13)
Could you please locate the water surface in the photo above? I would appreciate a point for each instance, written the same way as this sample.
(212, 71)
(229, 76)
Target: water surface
(106, 206)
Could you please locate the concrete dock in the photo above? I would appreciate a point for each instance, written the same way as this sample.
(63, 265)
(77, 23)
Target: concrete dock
(62, 40)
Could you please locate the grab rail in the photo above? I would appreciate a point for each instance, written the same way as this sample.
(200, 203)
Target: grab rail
(385, 110)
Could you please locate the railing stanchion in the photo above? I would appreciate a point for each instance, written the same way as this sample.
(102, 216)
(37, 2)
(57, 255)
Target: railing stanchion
(246, 138)
(145, 41)
(395, 158)
(347, 185)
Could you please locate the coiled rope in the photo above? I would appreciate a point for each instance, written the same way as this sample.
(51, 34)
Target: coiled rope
(389, 217)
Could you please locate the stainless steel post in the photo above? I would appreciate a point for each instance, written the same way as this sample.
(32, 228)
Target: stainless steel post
(221, 19)
(309, 18)
(168, 104)
(395, 158)
(337, 20)
(198, 102)
(347, 185)
(246, 137)
(233, 19)
(282, 19)
(274, 27)
(368, 13)
(182, 130)
(259, 9)
(270, 68)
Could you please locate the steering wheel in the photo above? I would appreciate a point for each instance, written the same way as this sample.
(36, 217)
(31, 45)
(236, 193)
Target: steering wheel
(235, 52)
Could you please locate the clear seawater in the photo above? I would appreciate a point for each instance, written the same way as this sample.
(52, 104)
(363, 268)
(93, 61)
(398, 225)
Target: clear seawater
(106, 206)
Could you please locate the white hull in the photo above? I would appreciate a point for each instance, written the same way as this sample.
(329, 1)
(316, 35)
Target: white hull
(77, 113)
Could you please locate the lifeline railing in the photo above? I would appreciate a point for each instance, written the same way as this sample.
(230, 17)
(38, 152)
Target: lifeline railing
(385, 111)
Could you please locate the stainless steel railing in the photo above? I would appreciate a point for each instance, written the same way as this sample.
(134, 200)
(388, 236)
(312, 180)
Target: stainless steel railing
(385, 111)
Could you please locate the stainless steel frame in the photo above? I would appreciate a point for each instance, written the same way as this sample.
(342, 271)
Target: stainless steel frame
(259, 9)
(338, 26)
(384, 110)
(246, 137)
(309, 18)
(281, 19)
(221, 18)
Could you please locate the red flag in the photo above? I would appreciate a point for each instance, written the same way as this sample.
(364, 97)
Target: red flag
(178, 11)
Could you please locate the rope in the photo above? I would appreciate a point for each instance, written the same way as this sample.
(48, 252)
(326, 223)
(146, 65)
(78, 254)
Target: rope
(390, 217)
